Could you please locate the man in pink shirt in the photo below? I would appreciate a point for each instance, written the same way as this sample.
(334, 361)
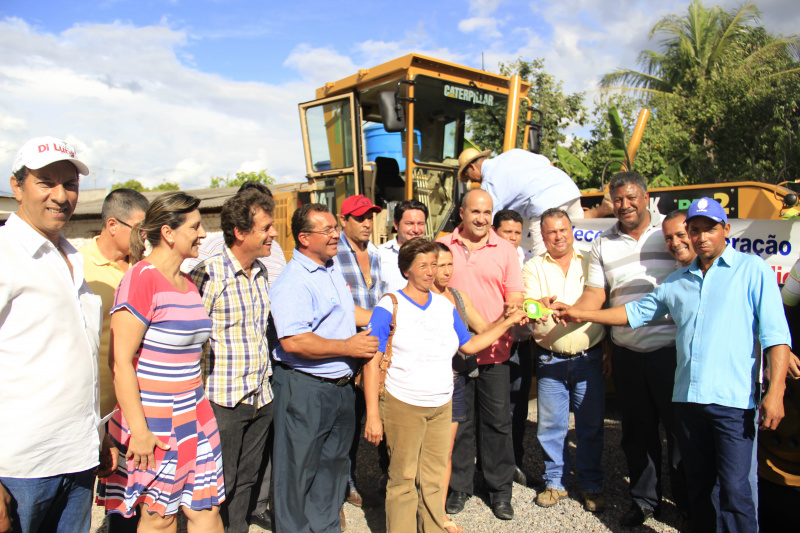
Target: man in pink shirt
(486, 267)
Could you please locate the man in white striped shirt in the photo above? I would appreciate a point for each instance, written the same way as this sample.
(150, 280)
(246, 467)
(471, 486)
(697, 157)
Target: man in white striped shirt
(629, 261)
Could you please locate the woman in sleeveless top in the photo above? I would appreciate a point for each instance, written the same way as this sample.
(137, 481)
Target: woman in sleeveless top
(462, 363)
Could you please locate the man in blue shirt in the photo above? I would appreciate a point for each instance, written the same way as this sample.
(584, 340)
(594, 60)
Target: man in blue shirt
(723, 304)
(314, 404)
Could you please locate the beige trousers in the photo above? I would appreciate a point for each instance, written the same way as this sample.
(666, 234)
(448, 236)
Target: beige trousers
(418, 440)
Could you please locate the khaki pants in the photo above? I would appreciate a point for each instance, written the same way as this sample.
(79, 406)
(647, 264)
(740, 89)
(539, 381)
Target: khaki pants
(418, 440)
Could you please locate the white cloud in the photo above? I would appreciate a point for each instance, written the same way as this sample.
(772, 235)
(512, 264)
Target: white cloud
(319, 65)
(486, 27)
(418, 41)
(481, 23)
(120, 93)
(484, 7)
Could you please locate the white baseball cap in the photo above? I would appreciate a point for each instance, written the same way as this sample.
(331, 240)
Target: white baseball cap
(41, 151)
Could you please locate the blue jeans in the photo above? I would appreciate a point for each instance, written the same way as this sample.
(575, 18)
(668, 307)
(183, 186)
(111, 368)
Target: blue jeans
(717, 444)
(576, 382)
(58, 504)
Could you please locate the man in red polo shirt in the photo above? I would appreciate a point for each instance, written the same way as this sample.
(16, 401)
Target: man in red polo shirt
(486, 267)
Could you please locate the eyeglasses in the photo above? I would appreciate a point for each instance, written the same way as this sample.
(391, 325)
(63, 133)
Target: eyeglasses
(124, 223)
(327, 232)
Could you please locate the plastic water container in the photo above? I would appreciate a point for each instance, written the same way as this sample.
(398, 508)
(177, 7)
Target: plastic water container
(319, 166)
(381, 143)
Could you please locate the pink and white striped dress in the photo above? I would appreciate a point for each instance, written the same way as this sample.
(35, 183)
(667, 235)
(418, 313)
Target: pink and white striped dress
(177, 411)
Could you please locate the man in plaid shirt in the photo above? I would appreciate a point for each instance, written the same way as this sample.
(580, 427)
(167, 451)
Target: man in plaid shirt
(236, 364)
(361, 266)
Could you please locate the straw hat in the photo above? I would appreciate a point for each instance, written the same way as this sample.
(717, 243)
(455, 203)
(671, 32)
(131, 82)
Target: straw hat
(468, 156)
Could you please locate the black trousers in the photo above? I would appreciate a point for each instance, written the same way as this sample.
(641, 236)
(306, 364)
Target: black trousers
(243, 431)
(314, 424)
(644, 383)
(487, 397)
(521, 376)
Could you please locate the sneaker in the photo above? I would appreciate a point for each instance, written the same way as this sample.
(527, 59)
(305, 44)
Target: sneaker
(594, 502)
(550, 497)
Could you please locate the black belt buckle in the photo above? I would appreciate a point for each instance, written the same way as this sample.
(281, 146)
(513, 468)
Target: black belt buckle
(342, 381)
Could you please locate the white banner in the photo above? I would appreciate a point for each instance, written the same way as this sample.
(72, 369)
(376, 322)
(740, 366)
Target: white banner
(776, 241)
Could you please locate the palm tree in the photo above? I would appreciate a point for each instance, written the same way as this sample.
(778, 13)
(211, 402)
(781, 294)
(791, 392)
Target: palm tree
(698, 43)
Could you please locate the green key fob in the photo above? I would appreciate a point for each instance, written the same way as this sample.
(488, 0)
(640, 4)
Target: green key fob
(535, 310)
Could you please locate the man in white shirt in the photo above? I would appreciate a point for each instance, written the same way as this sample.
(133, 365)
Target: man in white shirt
(410, 217)
(627, 262)
(527, 183)
(49, 341)
(508, 225)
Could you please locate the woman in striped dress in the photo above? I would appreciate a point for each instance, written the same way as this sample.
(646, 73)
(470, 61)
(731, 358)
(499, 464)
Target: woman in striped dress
(165, 426)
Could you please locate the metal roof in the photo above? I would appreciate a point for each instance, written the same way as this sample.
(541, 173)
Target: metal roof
(209, 199)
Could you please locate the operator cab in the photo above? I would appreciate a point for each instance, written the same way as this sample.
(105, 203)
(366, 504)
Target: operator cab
(394, 132)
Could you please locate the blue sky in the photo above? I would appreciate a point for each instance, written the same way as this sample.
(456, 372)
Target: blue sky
(182, 90)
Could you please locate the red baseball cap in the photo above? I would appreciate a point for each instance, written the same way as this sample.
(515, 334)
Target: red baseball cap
(359, 205)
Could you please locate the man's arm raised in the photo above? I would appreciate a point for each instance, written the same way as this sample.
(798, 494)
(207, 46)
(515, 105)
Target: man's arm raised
(312, 346)
(616, 316)
(592, 299)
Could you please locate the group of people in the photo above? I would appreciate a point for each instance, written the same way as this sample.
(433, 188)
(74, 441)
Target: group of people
(230, 389)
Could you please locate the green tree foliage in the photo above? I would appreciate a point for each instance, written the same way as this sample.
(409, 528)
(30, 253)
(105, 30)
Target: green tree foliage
(725, 96)
(137, 186)
(240, 178)
(559, 110)
(699, 42)
(614, 117)
(166, 186)
(130, 184)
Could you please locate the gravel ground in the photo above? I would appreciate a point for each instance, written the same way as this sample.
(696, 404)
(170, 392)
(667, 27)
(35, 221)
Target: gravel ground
(477, 517)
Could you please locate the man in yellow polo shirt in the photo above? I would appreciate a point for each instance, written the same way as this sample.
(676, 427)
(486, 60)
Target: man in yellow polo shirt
(105, 260)
(569, 369)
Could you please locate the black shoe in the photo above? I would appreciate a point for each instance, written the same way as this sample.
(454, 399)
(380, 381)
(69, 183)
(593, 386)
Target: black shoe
(636, 516)
(262, 520)
(503, 510)
(455, 502)
(520, 477)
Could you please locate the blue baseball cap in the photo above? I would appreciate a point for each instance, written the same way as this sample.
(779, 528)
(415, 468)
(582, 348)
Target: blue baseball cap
(707, 207)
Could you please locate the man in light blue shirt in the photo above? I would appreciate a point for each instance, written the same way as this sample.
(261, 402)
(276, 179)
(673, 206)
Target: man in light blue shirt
(723, 304)
(314, 404)
(528, 184)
